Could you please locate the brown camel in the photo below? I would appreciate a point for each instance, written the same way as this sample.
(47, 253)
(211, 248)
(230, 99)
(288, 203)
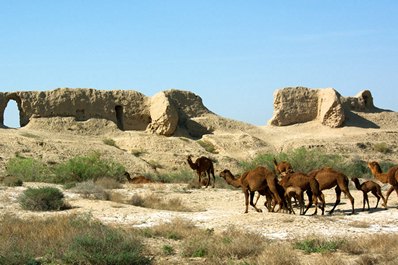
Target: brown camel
(308, 184)
(390, 177)
(297, 193)
(202, 165)
(138, 179)
(236, 182)
(367, 186)
(282, 167)
(259, 179)
(329, 178)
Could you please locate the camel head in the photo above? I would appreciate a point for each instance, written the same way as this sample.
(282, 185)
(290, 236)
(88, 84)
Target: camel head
(374, 167)
(225, 173)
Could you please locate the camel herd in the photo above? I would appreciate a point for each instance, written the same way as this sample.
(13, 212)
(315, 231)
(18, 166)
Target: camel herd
(279, 191)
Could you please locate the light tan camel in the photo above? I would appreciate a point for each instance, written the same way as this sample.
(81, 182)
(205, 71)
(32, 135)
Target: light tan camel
(259, 179)
(367, 186)
(138, 179)
(236, 182)
(297, 193)
(329, 178)
(308, 184)
(202, 165)
(390, 177)
(282, 167)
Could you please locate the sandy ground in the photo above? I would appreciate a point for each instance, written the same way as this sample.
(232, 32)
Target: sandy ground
(219, 209)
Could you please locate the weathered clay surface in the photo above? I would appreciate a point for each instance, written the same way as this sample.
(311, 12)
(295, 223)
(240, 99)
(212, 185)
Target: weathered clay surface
(299, 104)
(128, 109)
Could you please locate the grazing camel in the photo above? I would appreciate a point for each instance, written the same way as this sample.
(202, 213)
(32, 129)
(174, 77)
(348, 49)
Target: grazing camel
(308, 184)
(390, 177)
(329, 178)
(297, 193)
(282, 167)
(236, 182)
(259, 179)
(367, 186)
(202, 165)
(137, 180)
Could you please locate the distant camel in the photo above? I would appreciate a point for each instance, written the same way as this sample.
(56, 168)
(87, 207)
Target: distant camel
(307, 184)
(282, 167)
(237, 183)
(138, 179)
(329, 178)
(391, 177)
(371, 186)
(259, 179)
(203, 165)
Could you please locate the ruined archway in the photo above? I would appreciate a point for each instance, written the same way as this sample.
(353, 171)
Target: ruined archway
(119, 117)
(12, 113)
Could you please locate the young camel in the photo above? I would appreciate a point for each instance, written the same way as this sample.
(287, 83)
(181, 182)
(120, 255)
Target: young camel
(308, 184)
(137, 180)
(236, 182)
(367, 186)
(259, 179)
(329, 178)
(282, 167)
(203, 165)
(297, 194)
(391, 177)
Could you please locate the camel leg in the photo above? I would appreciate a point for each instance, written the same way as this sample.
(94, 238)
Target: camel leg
(375, 193)
(251, 202)
(365, 200)
(322, 200)
(315, 200)
(246, 192)
(338, 196)
(390, 190)
(208, 179)
(348, 194)
(214, 178)
(309, 194)
(258, 197)
(384, 199)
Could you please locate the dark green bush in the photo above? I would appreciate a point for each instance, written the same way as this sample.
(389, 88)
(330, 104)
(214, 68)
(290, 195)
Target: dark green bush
(42, 199)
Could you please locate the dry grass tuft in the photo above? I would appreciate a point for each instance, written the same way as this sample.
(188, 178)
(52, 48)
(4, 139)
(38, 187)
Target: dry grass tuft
(155, 202)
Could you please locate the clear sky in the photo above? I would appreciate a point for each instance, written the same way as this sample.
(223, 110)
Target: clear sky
(234, 54)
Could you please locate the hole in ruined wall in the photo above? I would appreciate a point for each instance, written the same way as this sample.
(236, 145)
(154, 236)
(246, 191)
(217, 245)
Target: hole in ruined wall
(11, 115)
(119, 117)
(80, 115)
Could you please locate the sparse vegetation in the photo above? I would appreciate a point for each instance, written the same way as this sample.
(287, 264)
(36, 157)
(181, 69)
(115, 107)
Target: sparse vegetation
(382, 148)
(208, 146)
(11, 181)
(110, 142)
(90, 190)
(42, 199)
(318, 245)
(138, 152)
(155, 202)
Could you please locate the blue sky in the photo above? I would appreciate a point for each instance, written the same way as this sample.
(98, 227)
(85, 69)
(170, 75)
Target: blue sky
(234, 54)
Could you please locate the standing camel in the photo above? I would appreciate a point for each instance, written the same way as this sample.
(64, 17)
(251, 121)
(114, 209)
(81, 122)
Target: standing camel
(259, 179)
(391, 177)
(329, 178)
(371, 186)
(282, 167)
(203, 165)
(307, 184)
(237, 183)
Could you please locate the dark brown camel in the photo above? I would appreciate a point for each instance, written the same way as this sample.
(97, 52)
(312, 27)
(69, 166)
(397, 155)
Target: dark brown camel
(307, 184)
(259, 179)
(329, 178)
(236, 182)
(282, 167)
(369, 186)
(390, 177)
(137, 180)
(203, 165)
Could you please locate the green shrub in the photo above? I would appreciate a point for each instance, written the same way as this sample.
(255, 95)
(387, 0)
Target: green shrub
(42, 199)
(28, 169)
(382, 148)
(11, 181)
(314, 245)
(168, 250)
(182, 176)
(208, 146)
(90, 167)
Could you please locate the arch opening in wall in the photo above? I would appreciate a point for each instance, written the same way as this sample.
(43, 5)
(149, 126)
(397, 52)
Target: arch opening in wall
(11, 116)
(119, 117)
